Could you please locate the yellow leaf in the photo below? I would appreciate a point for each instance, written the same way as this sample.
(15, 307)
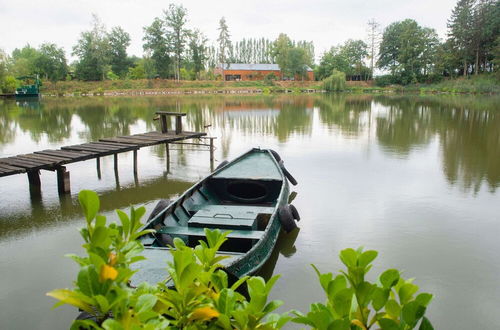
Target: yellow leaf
(203, 314)
(107, 273)
(68, 297)
(359, 324)
(112, 258)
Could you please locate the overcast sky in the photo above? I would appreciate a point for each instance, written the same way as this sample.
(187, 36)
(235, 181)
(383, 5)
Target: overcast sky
(325, 22)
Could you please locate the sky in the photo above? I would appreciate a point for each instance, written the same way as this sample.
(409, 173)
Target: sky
(326, 23)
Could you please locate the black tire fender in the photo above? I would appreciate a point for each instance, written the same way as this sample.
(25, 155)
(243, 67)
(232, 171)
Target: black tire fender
(295, 213)
(286, 218)
(162, 204)
(287, 174)
(224, 163)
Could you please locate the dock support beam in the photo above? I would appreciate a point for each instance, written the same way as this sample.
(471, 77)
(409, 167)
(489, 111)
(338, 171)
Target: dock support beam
(98, 165)
(135, 163)
(35, 184)
(164, 125)
(178, 125)
(63, 183)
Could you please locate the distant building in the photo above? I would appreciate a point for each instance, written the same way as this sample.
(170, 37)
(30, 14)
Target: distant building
(257, 71)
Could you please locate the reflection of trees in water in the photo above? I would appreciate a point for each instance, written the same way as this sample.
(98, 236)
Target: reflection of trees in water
(346, 112)
(8, 125)
(467, 127)
(52, 122)
(404, 128)
(69, 210)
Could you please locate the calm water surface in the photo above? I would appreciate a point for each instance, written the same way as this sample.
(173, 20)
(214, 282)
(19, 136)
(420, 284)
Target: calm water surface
(416, 178)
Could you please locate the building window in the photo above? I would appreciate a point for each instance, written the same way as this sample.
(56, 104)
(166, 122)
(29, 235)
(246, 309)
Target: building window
(230, 77)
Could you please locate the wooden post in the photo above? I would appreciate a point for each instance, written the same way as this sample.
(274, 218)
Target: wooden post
(211, 149)
(98, 165)
(115, 157)
(63, 183)
(178, 125)
(35, 184)
(135, 162)
(136, 180)
(164, 126)
(167, 152)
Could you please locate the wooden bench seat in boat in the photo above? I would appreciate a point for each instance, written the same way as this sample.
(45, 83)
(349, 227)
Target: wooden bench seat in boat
(195, 231)
(234, 217)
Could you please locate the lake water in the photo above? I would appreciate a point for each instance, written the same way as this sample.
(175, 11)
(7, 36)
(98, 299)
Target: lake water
(415, 177)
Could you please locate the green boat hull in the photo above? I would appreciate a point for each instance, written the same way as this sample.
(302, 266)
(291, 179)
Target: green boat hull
(244, 196)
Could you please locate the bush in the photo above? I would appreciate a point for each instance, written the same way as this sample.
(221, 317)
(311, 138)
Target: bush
(197, 294)
(8, 85)
(335, 82)
(385, 80)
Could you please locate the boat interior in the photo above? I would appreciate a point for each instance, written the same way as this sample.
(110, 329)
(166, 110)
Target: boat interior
(243, 206)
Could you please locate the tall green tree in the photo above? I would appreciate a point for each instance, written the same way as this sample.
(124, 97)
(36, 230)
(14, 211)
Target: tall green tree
(155, 42)
(461, 31)
(93, 52)
(175, 20)
(119, 40)
(224, 42)
(407, 50)
(51, 62)
(197, 49)
(23, 61)
(280, 52)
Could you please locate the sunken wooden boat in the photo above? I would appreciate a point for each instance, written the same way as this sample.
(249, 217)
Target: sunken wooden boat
(247, 196)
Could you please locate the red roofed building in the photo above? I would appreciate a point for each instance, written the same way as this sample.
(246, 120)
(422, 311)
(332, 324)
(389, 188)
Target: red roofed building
(257, 71)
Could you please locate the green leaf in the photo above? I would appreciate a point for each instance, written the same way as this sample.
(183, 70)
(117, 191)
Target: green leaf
(389, 278)
(366, 258)
(271, 306)
(406, 292)
(226, 301)
(341, 324)
(342, 302)
(146, 302)
(379, 298)
(71, 298)
(425, 325)
(90, 204)
(84, 281)
(412, 312)
(392, 308)
(388, 324)
(424, 299)
(124, 219)
(112, 324)
(324, 279)
(364, 293)
(348, 257)
(103, 303)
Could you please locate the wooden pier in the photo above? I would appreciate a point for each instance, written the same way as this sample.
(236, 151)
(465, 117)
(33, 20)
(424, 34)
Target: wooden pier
(55, 159)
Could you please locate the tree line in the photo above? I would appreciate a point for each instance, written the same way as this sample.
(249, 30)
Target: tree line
(404, 51)
(410, 53)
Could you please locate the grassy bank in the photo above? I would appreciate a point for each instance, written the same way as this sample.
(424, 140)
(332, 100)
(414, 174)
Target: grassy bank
(164, 86)
(472, 84)
(483, 84)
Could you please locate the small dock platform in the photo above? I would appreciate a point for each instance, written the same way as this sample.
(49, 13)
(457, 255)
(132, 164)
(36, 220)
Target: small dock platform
(55, 159)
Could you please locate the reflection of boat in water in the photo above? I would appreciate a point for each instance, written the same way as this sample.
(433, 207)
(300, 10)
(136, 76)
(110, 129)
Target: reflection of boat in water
(248, 196)
(31, 89)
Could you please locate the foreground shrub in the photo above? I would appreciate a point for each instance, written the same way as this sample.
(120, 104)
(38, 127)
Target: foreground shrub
(354, 303)
(197, 293)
